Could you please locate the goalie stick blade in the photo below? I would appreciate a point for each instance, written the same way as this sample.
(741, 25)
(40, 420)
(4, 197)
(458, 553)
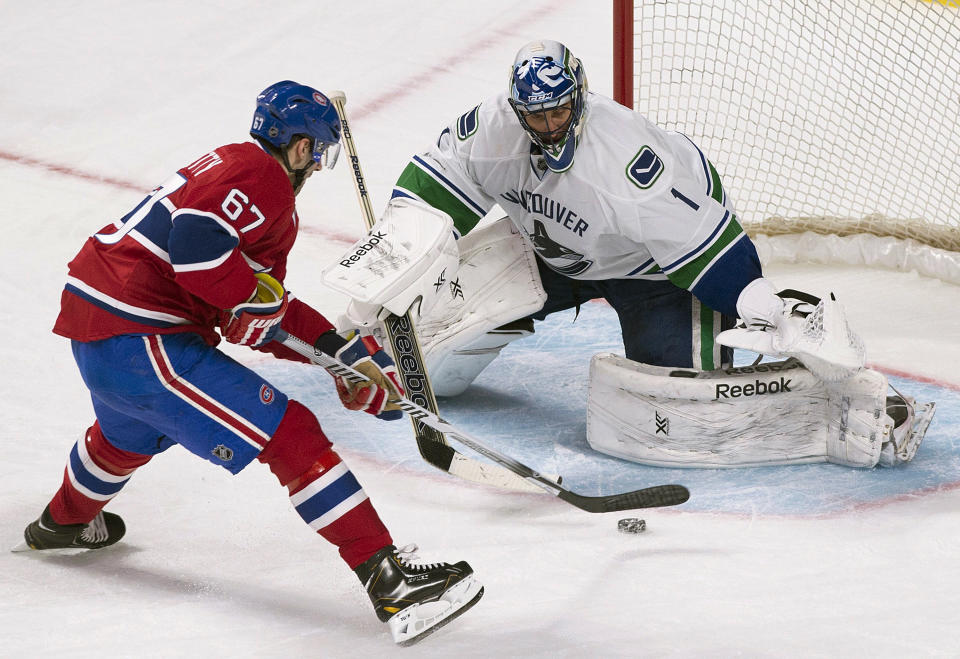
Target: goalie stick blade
(649, 497)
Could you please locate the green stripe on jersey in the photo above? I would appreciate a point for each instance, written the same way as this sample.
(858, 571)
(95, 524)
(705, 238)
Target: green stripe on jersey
(421, 184)
(686, 275)
(716, 186)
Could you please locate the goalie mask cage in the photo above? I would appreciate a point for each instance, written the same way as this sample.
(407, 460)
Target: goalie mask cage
(835, 124)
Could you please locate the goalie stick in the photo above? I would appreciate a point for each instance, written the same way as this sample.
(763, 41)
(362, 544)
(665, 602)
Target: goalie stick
(648, 497)
(405, 348)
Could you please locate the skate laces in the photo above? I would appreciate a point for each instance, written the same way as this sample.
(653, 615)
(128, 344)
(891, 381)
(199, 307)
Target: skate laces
(96, 530)
(407, 557)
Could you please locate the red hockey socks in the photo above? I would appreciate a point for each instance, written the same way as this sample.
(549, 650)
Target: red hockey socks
(322, 488)
(95, 473)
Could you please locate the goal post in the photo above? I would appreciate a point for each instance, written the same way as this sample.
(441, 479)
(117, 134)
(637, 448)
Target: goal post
(834, 123)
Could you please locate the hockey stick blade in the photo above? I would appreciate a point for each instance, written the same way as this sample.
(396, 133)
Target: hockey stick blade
(649, 497)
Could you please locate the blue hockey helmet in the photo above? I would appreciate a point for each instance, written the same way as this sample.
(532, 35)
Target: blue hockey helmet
(546, 77)
(287, 109)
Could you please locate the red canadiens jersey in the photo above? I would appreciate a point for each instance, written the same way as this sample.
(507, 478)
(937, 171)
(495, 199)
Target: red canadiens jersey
(187, 251)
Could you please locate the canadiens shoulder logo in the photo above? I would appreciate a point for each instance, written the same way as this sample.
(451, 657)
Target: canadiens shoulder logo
(266, 394)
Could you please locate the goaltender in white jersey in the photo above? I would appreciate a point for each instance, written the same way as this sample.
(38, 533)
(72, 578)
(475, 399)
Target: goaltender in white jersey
(602, 203)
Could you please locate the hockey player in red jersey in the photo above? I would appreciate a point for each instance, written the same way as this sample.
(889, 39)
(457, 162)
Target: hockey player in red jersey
(145, 298)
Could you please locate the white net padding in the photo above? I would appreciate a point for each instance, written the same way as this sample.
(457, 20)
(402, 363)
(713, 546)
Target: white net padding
(822, 117)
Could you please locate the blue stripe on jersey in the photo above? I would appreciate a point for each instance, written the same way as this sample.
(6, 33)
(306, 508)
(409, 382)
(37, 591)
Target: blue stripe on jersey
(116, 311)
(198, 239)
(155, 227)
(642, 266)
(699, 248)
(720, 286)
(457, 191)
(329, 497)
(88, 480)
(397, 192)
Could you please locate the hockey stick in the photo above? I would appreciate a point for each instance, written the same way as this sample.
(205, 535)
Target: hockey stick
(648, 497)
(405, 347)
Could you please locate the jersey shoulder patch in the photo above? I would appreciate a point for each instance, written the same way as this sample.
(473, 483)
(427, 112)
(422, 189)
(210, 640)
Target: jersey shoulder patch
(467, 124)
(645, 168)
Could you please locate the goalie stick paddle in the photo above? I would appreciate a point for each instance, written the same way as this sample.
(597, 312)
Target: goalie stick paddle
(405, 348)
(648, 497)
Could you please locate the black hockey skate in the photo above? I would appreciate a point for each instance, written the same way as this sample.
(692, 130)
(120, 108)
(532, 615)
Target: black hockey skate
(414, 599)
(104, 530)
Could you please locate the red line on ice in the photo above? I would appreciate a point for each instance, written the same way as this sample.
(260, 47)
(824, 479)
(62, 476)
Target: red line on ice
(379, 103)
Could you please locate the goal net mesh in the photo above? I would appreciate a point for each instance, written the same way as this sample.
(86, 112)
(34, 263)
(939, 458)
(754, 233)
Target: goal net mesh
(832, 117)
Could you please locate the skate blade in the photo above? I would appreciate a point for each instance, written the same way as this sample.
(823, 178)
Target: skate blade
(416, 622)
(23, 547)
(922, 419)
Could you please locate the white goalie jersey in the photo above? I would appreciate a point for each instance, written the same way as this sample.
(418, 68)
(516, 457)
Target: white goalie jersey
(638, 201)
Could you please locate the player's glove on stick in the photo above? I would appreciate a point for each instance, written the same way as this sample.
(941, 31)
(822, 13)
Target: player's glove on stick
(365, 355)
(255, 321)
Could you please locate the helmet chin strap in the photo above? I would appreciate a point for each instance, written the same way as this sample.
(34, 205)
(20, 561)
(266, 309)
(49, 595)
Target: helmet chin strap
(299, 175)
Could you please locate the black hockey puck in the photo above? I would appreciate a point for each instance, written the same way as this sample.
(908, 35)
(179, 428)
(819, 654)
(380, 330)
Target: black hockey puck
(631, 525)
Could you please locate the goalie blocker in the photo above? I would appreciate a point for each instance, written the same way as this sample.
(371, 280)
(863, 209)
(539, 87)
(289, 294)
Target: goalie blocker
(770, 414)
(468, 297)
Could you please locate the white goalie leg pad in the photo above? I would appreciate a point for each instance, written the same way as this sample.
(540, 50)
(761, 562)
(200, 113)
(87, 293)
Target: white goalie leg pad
(406, 258)
(770, 414)
(497, 283)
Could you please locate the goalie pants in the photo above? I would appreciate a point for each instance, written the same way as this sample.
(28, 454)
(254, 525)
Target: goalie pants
(661, 324)
(151, 392)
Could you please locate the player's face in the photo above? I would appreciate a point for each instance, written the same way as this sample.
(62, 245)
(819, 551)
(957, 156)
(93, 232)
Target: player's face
(303, 157)
(550, 124)
(300, 157)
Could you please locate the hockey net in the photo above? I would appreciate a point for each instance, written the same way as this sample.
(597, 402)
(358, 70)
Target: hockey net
(834, 125)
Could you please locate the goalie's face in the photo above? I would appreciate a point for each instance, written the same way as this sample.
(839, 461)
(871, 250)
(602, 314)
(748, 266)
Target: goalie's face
(549, 124)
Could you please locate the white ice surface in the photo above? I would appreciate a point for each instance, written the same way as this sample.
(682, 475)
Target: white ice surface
(101, 101)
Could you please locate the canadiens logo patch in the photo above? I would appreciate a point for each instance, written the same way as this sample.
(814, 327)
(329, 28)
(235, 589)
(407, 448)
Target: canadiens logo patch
(319, 98)
(266, 395)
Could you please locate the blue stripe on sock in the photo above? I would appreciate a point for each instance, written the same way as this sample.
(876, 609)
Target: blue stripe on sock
(88, 480)
(329, 497)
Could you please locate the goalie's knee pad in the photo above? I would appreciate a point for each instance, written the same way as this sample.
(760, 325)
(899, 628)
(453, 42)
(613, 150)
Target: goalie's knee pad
(770, 414)
(497, 283)
(451, 372)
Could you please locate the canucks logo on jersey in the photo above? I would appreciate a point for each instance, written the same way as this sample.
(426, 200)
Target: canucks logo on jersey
(562, 259)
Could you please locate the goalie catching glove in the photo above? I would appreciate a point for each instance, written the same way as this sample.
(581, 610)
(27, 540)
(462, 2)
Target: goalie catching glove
(255, 321)
(795, 324)
(365, 355)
